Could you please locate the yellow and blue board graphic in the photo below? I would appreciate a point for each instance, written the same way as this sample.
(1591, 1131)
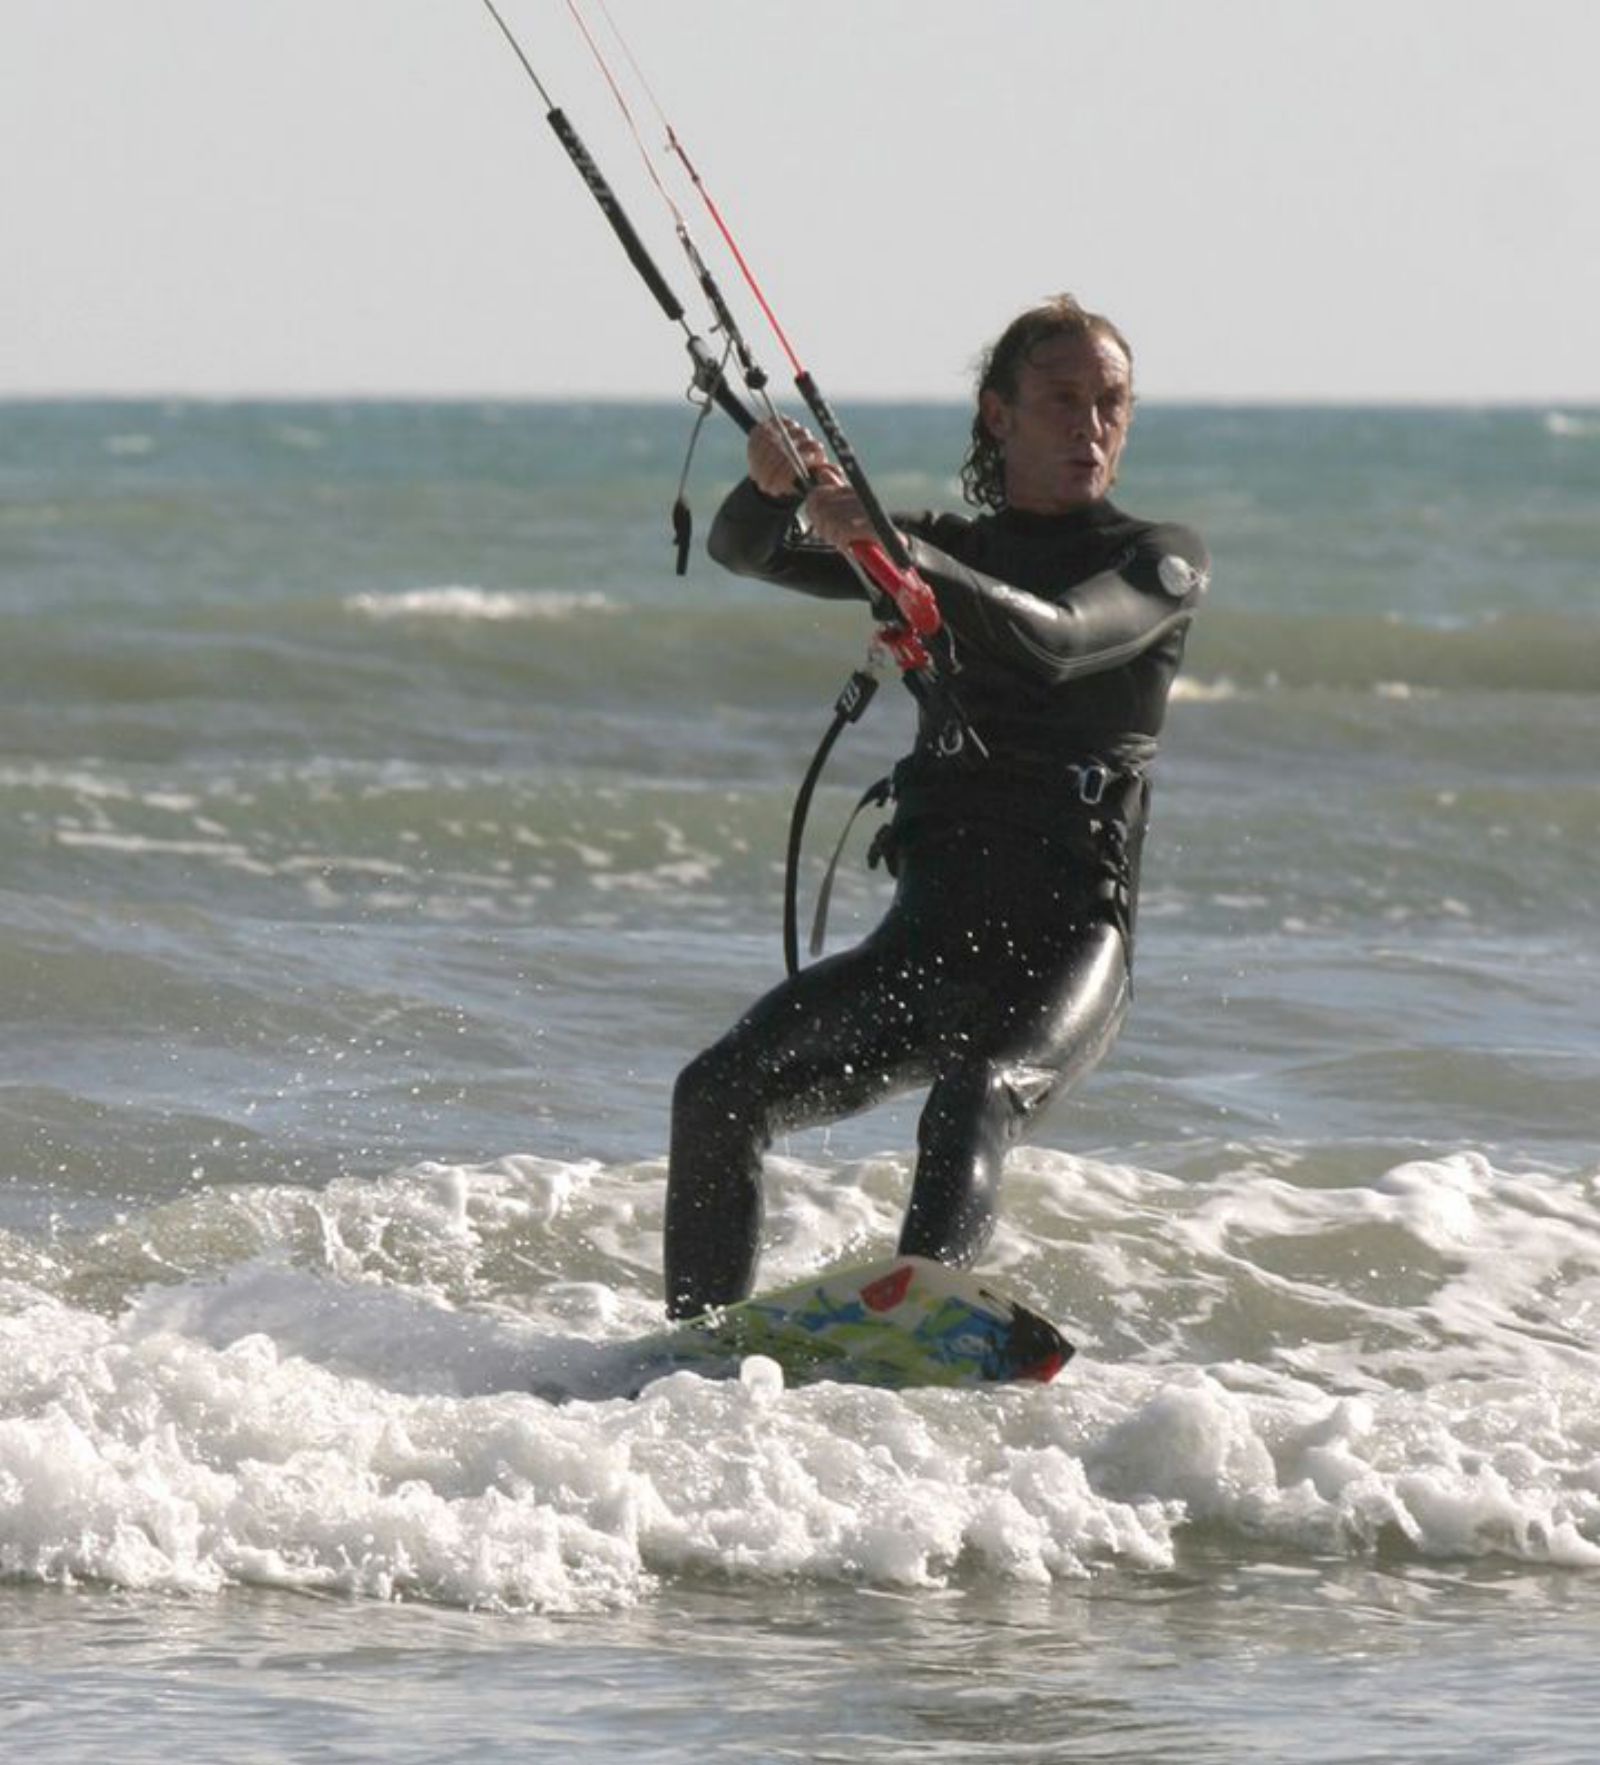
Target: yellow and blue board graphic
(899, 1323)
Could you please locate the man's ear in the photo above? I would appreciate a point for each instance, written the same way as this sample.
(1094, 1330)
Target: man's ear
(995, 412)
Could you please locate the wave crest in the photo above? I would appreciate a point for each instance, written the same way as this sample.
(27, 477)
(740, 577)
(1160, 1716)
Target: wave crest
(459, 601)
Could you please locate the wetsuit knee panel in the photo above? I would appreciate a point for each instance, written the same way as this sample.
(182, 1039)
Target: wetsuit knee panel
(1008, 1092)
(711, 1074)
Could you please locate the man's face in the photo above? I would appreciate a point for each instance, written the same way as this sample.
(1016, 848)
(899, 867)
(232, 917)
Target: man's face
(1063, 434)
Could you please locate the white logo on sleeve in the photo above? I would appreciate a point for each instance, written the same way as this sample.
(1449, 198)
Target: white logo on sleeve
(1179, 577)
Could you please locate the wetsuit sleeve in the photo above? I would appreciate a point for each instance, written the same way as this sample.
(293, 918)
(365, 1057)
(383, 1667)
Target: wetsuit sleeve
(1086, 628)
(755, 535)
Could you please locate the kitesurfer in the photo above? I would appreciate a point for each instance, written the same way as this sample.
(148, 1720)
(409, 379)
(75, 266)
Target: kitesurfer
(1000, 973)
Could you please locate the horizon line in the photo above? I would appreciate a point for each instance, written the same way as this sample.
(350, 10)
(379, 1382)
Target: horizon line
(1195, 401)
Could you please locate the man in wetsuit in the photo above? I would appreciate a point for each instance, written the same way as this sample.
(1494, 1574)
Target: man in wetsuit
(1000, 973)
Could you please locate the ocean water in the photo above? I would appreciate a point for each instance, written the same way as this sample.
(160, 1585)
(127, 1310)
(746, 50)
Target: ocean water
(384, 826)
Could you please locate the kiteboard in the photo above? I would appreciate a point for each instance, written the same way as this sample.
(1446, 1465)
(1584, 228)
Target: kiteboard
(898, 1323)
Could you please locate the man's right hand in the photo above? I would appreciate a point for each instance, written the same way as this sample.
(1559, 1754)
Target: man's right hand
(771, 460)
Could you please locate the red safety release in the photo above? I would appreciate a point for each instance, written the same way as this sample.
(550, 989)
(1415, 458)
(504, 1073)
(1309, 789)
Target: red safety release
(908, 650)
(904, 587)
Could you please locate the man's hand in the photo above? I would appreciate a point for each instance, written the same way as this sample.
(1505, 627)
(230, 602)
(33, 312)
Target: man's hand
(771, 458)
(835, 512)
(832, 508)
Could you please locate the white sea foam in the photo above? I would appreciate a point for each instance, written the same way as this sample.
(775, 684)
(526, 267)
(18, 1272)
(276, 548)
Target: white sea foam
(227, 852)
(1572, 428)
(1203, 692)
(346, 1404)
(465, 603)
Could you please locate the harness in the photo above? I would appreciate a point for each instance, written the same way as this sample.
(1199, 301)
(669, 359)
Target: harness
(1095, 802)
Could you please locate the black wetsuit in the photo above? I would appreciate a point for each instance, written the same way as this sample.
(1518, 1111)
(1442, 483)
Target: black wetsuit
(1000, 973)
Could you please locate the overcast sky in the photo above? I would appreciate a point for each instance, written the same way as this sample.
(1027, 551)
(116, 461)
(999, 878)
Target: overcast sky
(1277, 199)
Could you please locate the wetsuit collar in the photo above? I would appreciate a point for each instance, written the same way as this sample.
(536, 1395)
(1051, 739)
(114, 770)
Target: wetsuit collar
(1084, 519)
